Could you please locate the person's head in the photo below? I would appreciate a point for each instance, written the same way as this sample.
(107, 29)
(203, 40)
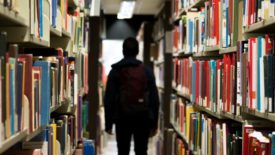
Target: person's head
(130, 47)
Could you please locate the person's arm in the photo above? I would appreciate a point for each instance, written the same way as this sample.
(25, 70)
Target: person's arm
(109, 99)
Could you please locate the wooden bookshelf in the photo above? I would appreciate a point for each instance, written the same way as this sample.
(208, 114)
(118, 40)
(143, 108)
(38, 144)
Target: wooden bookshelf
(37, 41)
(209, 112)
(181, 53)
(34, 134)
(197, 4)
(54, 108)
(267, 116)
(228, 50)
(183, 96)
(66, 34)
(264, 26)
(232, 117)
(11, 18)
(55, 32)
(209, 49)
(13, 140)
(208, 52)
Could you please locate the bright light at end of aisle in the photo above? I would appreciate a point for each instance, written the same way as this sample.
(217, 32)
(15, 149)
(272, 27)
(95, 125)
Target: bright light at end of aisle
(126, 9)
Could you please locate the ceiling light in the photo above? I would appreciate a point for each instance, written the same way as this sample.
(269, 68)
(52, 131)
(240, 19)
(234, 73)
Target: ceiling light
(126, 9)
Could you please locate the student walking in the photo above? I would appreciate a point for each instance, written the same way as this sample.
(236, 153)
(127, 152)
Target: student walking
(131, 101)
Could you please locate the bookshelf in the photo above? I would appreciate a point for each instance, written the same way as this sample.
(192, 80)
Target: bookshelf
(228, 50)
(266, 116)
(232, 117)
(264, 26)
(35, 133)
(13, 140)
(66, 34)
(218, 66)
(208, 111)
(42, 58)
(212, 52)
(11, 18)
(55, 32)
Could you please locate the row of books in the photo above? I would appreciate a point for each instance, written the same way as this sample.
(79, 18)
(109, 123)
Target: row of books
(59, 137)
(204, 134)
(34, 82)
(256, 11)
(256, 74)
(40, 15)
(208, 83)
(206, 27)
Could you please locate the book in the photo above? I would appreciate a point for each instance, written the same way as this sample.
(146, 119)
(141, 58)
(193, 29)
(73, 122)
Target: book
(45, 96)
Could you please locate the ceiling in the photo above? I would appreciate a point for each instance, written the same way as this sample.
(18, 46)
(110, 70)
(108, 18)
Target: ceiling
(143, 7)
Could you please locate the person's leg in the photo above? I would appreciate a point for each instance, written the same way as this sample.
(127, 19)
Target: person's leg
(141, 137)
(123, 137)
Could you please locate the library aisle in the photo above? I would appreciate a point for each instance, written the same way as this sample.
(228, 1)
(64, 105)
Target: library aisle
(213, 62)
(111, 148)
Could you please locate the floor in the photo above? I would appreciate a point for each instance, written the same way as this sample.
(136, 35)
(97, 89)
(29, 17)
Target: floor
(110, 148)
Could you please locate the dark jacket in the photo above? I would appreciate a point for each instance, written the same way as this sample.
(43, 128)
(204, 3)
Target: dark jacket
(112, 88)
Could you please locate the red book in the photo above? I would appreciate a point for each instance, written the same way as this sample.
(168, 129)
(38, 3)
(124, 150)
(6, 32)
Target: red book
(268, 44)
(216, 9)
(28, 85)
(228, 74)
(250, 51)
(247, 129)
(197, 81)
(224, 84)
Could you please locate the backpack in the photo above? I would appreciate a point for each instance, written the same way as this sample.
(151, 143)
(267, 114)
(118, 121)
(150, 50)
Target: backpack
(133, 91)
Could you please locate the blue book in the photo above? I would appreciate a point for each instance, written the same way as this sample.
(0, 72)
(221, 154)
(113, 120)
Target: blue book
(259, 41)
(196, 130)
(191, 34)
(273, 143)
(19, 92)
(213, 85)
(12, 94)
(46, 89)
(41, 17)
(88, 147)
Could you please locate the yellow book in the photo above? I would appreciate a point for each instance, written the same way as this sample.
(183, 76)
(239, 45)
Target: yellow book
(7, 121)
(23, 105)
(209, 140)
(54, 138)
(189, 110)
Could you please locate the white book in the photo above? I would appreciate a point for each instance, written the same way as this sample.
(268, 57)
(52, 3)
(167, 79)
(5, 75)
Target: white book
(254, 75)
(271, 9)
(26, 113)
(75, 88)
(262, 95)
(224, 139)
